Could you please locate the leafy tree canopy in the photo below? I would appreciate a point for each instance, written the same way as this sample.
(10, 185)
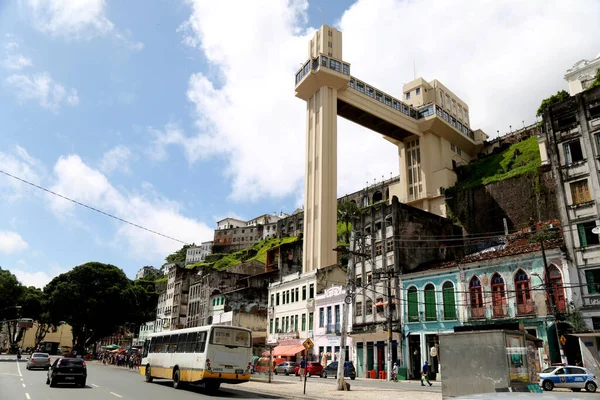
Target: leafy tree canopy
(178, 256)
(555, 98)
(94, 298)
(10, 290)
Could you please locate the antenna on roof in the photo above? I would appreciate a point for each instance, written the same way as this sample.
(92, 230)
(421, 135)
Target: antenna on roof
(322, 17)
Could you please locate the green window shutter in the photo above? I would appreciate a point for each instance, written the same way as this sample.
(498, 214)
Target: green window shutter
(582, 236)
(430, 309)
(591, 282)
(413, 306)
(449, 304)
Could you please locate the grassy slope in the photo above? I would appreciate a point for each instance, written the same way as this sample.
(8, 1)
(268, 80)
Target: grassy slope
(498, 167)
(224, 261)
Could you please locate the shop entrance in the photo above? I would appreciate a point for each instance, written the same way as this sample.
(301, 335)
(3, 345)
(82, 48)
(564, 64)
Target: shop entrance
(414, 350)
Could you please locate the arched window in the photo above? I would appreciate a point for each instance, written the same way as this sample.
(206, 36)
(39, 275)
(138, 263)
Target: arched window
(523, 293)
(413, 304)
(556, 285)
(449, 302)
(476, 298)
(498, 296)
(430, 306)
(377, 196)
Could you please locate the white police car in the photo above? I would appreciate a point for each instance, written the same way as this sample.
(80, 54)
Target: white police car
(568, 376)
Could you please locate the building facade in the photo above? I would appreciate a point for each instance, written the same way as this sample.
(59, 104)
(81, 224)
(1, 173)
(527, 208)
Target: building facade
(572, 129)
(582, 74)
(196, 254)
(328, 325)
(147, 271)
(395, 240)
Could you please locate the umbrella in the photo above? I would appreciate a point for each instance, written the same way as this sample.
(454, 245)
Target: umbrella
(112, 347)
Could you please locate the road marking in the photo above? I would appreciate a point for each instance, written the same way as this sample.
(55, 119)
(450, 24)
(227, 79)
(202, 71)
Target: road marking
(94, 385)
(19, 369)
(23, 384)
(114, 394)
(27, 395)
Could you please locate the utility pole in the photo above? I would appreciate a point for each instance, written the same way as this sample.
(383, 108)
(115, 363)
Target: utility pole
(341, 382)
(390, 274)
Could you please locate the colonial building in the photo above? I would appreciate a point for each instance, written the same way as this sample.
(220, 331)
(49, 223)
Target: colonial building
(395, 240)
(328, 324)
(572, 129)
(195, 254)
(147, 271)
(582, 74)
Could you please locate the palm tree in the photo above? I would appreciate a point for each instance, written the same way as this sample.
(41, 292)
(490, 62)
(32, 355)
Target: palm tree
(348, 212)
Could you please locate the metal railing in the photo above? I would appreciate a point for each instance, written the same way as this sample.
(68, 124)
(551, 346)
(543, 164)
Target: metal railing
(322, 61)
(334, 328)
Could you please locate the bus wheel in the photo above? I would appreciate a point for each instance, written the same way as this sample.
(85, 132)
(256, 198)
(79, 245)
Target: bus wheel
(148, 374)
(177, 384)
(212, 386)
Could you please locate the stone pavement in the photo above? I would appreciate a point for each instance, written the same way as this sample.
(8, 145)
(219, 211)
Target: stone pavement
(317, 389)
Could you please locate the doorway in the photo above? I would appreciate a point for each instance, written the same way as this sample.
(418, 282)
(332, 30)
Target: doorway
(414, 349)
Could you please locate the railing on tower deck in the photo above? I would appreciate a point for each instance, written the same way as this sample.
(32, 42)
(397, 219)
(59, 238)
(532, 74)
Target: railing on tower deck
(525, 308)
(344, 68)
(322, 61)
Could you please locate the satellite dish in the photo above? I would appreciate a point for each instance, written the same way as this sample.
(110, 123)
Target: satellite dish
(596, 230)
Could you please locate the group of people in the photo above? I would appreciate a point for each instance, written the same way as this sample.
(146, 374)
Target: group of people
(425, 370)
(130, 361)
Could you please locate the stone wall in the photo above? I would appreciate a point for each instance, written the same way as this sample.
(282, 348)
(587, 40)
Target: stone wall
(482, 209)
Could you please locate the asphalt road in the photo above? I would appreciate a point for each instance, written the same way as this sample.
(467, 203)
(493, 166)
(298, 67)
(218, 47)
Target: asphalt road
(103, 383)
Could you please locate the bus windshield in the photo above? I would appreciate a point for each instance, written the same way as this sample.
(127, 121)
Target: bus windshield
(231, 337)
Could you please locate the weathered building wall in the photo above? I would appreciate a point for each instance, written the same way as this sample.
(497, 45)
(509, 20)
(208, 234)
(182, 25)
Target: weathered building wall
(482, 209)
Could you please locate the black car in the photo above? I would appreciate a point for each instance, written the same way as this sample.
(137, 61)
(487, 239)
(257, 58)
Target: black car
(331, 370)
(67, 370)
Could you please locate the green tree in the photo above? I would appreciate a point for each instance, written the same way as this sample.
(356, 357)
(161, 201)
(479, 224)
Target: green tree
(555, 98)
(11, 291)
(93, 298)
(596, 82)
(33, 304)
(178, 256)
(348, 212)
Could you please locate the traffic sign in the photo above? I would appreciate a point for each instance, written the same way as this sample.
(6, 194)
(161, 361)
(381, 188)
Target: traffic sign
(563, 339)
(308, 344)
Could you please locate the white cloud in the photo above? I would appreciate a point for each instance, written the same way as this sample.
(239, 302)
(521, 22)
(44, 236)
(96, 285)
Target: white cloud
(502, 58)
(22, 165)
(75, 179)
(42, 89)
(117, 158)
(77, 19)
(38, 279)
(172, 134)
(11, 242)
(13, 60)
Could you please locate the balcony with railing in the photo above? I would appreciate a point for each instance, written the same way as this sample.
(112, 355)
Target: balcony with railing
(526, 308)
(475, 313)
(500, 311)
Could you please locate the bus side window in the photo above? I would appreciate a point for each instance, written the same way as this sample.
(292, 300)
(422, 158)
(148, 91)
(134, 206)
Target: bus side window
(191, 342)
(158, 342)
(182, 343)
(201, 342)
(147, 346)
(166, 341)
(173, 346)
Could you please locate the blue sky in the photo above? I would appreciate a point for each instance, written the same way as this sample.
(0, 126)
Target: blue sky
(173, 114)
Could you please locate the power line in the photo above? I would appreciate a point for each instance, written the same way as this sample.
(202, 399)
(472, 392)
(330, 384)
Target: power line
(91, 208)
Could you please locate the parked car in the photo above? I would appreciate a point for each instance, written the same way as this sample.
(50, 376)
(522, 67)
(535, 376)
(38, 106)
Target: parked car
(568, 376)
(39, 360)
(287, 367)
(262, 364)
(312, 368)
(67, 370)
(331, 370)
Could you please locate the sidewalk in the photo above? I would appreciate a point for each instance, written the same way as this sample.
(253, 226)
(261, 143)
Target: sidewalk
(315, 389)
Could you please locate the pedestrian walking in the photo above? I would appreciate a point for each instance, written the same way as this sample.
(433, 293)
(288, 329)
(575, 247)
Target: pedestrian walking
(394, 373)
(425, 373)
(302, 368)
